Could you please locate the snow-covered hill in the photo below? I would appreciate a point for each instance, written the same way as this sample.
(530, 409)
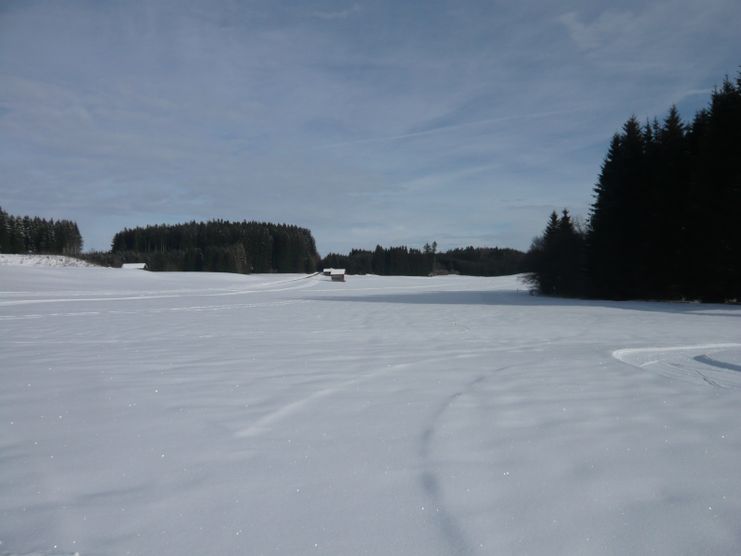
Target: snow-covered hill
(195, 413)
(42, 260)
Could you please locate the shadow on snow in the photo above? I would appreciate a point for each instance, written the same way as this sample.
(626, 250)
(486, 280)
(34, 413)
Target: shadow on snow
(523, 299)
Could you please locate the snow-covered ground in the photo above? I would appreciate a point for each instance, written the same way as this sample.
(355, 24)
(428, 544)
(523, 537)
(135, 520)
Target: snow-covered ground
(42, 260)
(156, 414)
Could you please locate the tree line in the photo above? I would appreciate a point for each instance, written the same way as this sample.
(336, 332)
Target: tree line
(217, 246)
(405, 261)
(664, 221)
(27, 234)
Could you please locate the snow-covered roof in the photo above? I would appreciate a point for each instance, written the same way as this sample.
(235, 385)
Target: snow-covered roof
(337, 271)
(134, 266)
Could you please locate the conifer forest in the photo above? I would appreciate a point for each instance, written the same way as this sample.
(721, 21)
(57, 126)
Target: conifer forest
(664, 221)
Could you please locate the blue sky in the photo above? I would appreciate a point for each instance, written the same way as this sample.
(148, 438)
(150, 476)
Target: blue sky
(368, 122)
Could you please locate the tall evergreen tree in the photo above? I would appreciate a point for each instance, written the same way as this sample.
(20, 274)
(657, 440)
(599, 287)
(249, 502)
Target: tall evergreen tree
(667, 231)
(715, 195)
(557, 257)
(618, 258)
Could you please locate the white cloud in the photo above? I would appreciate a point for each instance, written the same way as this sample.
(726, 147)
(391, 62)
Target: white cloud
(337, 14)
(608, 28)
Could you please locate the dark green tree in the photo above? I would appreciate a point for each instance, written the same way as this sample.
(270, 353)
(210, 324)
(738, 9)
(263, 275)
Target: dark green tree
(221, 246)
(619, 220)
(557, 258)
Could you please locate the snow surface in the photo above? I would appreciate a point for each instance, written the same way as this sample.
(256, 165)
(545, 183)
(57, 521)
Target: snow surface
(198, 413)
(42, 260)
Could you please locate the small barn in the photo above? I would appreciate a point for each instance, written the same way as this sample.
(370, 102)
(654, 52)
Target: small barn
(327, 272)
(338, 274)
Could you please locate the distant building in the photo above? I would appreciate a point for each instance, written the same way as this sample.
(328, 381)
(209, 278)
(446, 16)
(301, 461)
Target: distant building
(337, 274)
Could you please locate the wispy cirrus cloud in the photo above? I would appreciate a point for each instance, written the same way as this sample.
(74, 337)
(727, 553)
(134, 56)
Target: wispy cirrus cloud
(342, 13)
(426, 130)
(403, 122)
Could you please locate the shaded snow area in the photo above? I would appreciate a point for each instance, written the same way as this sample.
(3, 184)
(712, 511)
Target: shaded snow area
(196, 413)
(42, 260)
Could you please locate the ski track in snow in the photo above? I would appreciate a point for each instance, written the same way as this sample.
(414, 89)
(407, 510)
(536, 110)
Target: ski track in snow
(264, 423)
(676, 362)
(154, 311)
(450, 528)
(305, 283)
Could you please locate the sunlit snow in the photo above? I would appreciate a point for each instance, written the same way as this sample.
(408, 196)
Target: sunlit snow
(200, 413)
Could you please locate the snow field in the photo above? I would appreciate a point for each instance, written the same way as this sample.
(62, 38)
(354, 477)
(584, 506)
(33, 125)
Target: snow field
(206, 413)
